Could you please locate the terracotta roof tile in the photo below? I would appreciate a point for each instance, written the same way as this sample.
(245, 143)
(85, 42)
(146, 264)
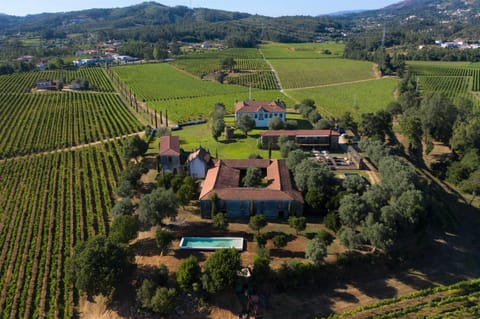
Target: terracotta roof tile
(169, 145)
(224, 179)
(244, 164)
(255, 106)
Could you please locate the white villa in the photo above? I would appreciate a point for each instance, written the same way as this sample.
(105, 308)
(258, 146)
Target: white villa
(260, 111)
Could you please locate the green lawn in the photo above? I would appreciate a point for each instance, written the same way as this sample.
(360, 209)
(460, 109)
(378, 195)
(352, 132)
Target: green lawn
(302, 73)
(357, 98)
(239, 148)
(273, 50)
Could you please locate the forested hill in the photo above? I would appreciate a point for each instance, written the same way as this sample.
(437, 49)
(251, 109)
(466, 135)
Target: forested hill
(409, 21)
(151, 21)
(422, 21)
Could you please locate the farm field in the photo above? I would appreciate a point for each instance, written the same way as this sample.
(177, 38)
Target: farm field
(24, 82)
(47, 121)
(157, 82)
(454, 79)
(37, 233)
(200, 64)
(273, 50)
(357, 98)
(302, 73)
(460, 301)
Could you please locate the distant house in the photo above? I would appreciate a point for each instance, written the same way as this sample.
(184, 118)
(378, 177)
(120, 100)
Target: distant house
(169, 155)
(278, 199)
(198, 163)
(260, 111)
(46, 85)
(307, 139)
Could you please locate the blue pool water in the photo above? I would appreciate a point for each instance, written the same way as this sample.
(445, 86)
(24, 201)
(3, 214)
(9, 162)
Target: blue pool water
(211, 243)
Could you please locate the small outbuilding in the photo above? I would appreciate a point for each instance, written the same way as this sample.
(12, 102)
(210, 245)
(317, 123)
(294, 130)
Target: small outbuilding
(169, 156)
(199, 162)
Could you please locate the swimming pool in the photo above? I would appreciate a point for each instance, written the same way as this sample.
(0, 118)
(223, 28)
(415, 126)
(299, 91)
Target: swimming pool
(211, 243)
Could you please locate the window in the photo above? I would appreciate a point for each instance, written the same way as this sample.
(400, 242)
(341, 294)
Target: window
(255, 115)
(260, 116)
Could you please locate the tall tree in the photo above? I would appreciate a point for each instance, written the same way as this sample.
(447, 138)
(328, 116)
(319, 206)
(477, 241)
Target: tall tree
(157, 205)
(438, 115)
(134, 147)
(253, 177)
(246, 123)
(221, 270)
(99, 264)
(188, 273)
(316, 251)
(257, 222)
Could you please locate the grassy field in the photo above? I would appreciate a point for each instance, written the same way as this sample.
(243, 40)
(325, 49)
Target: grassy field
(273, 50)
(239, 148)
(357, 98)
(301, 73)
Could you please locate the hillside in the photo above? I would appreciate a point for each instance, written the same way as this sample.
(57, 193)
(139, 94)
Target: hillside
(418, 21)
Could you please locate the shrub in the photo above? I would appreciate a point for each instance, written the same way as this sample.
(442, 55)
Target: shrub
(221, 270)
(261, 240)
(280, 240)
(124, 228)
(163, 238)
(220, 221)
(331, 222)
(325, 237)
(188, 273)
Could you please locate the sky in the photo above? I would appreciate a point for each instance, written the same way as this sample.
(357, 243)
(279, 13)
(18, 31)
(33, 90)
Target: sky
(273, 8)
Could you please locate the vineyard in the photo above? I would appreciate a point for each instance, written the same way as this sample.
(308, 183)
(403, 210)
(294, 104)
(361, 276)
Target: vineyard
(24, 82)
(356, 98)
(73, 196)
(32, 123)
(302, 73)
(453, 79)
(264, 80)
(322, 50)
(247, 61)
(156, 82)
(461, 300)
(183, 97)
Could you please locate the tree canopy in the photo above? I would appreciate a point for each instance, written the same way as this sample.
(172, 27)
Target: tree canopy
(246, 123)
(99, 264)
(134, 147)
(157, 205)
(221, 270)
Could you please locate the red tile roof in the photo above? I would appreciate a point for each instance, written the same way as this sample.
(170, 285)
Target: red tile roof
(169, 145)
(244, 164)
(255, 106)
(301, 133)
(225, 181)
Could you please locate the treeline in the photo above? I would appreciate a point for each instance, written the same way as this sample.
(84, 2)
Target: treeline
(434, 117)
(369, 47)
